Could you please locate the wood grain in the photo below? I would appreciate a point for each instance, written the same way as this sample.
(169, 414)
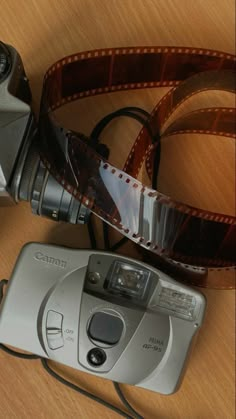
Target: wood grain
(199, 170)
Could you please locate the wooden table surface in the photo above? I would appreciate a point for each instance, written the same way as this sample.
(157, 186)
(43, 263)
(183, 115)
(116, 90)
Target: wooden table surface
(197, 170)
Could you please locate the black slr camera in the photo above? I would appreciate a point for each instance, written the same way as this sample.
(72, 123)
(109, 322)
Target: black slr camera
(23, 177)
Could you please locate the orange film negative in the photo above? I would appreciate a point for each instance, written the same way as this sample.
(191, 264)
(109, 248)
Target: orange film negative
(184, 236)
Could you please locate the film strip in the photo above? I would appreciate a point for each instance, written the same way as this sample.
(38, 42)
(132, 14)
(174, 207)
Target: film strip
(191, 237)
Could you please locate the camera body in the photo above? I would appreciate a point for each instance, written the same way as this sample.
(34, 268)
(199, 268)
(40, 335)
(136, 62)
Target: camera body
(16, 122)
(101, 313)
(22, 174)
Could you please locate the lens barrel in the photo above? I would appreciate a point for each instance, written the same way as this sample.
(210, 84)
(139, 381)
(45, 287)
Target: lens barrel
(46, 196)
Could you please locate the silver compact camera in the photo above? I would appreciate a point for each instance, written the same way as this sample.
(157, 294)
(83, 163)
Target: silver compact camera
(101, 313)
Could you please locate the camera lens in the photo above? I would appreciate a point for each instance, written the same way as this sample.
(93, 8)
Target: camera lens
(47, 197)
(28, 179)
(96, 357)
(5, 61)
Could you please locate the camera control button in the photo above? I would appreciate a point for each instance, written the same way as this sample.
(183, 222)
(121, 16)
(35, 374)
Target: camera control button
(55, 341)
(54, 320)
(54, 330)
(105, 328)
(96, 357)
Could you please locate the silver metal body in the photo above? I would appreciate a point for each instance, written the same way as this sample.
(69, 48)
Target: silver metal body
(57, 306)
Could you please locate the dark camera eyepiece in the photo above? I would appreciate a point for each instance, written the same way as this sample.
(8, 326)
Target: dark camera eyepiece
(5, 61)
